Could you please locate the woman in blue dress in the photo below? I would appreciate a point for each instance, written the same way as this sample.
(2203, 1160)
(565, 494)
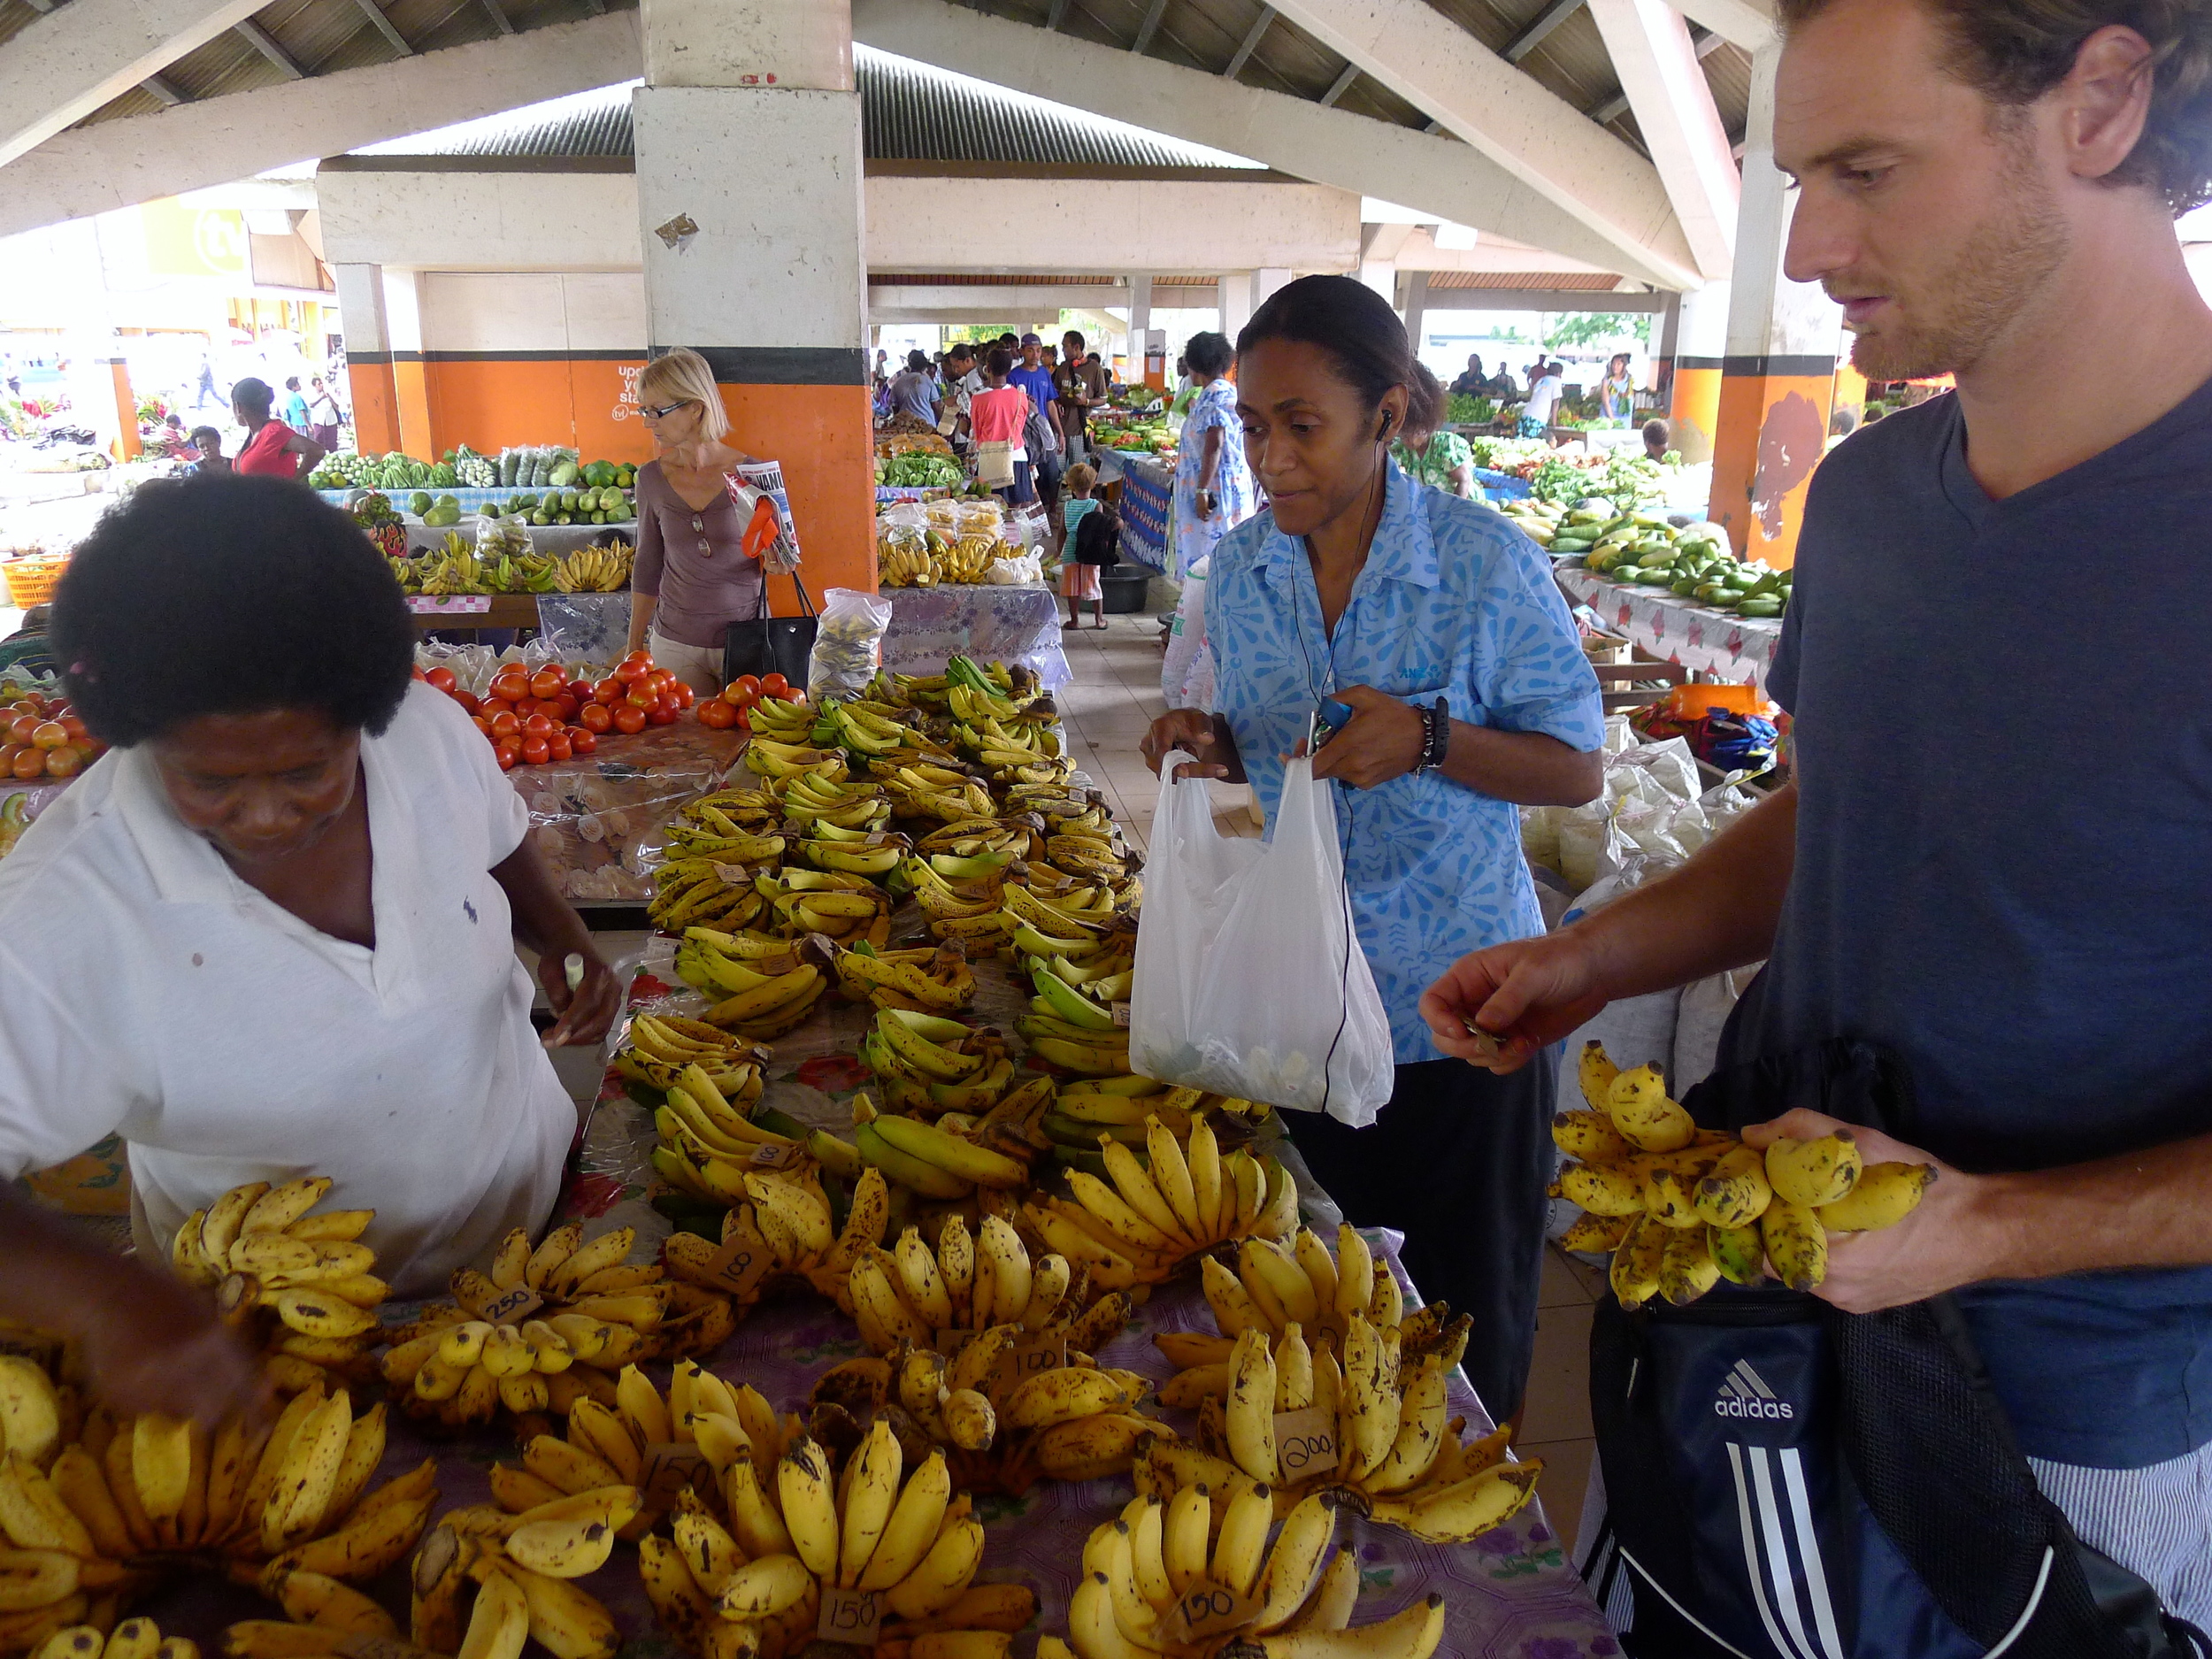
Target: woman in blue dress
(1213, 486)
(1438, 626)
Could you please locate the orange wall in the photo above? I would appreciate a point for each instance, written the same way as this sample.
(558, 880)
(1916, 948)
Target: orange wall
(1694, 412)
(375, 407)
(1773, 431)
(126, 411)
(411, 403)
(824, 435)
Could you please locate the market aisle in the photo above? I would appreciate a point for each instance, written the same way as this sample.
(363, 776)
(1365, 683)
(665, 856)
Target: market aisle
(1114, 697)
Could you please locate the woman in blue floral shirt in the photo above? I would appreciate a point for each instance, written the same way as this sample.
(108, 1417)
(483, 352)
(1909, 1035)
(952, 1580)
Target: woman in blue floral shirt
(1213, 486)
(1438, 625)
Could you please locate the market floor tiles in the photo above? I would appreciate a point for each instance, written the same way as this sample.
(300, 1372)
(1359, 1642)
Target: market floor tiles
(1113, 698)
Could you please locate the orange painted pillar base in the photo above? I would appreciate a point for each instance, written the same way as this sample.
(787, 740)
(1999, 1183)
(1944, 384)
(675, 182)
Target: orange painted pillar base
(1773, 428)
(1693, 409)
(126, 412)
(823, 438)
(375, 403)
(411, 388)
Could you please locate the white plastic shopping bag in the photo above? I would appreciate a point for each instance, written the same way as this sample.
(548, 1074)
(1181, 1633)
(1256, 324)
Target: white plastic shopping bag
(1250, 980)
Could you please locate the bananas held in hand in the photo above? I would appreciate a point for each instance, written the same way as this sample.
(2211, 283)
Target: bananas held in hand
(301, 1284)
(1679, 1209)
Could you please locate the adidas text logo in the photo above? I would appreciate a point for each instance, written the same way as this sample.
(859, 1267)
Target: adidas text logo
(1744, 1396)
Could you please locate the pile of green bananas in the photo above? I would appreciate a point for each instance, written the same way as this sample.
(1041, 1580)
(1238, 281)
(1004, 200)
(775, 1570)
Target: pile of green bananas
(1681, 1208)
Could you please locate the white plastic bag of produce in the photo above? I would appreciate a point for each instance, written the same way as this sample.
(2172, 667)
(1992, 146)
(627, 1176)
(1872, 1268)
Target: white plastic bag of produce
(847, 644)
(1011, 573)
(1250, 979)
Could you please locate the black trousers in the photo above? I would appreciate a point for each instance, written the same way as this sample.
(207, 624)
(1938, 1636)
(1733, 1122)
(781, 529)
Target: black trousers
(1457, 1162)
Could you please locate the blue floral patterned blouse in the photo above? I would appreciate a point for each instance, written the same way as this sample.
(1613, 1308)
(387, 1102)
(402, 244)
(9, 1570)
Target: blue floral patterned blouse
(1453, 600)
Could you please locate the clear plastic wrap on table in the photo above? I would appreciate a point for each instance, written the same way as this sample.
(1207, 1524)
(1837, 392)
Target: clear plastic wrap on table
(585, 627)
(979, 515)
(601, 821)
(1016, 572)
(505, 537)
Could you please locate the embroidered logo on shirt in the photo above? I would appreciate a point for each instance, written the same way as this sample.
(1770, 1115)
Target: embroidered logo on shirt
(471, 910)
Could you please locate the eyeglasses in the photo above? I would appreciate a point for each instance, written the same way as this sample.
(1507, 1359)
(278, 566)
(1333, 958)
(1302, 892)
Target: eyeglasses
(665, 409)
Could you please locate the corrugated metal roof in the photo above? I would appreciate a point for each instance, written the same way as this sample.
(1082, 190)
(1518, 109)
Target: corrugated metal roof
(1589, 281)
(909, 112)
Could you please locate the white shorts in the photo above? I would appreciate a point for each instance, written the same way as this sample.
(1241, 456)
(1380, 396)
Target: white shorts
(698, 666)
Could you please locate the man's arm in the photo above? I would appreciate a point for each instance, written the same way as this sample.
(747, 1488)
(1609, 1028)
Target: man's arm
(1719, 911)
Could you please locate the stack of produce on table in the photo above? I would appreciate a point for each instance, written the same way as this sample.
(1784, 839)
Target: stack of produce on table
(1642, 549)
(602, 568)
(498, 562)
(794, 1533)
(41, 738)
(551, 715)
(591, 505)
(907, 555)
(916, 460)
(380, 522)
(1194, 1572)
(1131, 433)
(1463, 411)
(300, 1285)
(1681, 1208)
(388, 473)
(742, 696)
(585, 1313)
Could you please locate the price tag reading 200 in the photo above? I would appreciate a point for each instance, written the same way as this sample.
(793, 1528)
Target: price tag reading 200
(1305, 1443)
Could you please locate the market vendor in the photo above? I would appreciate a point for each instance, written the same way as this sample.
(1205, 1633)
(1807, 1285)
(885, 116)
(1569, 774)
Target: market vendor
(273, 931)
(693, 577)
(1442, 460)
(270, 447)
(1989, 193)
(1213, 483)
(1439, 625)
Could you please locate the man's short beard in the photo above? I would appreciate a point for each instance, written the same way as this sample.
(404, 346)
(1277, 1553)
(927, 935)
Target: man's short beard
(1988, 286)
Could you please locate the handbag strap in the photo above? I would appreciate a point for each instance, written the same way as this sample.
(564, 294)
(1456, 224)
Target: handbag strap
(767, 610)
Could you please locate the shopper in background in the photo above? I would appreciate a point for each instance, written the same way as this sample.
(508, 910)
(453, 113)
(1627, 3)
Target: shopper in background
(207, 447)
(1990, 193)
(999, 414)
(1041, 435)
(295, 405)
(694, 577)
(882, 374)
(1079, 386)
(272, 447)
(323, 416)
(1545, 388)
(913, 392)
(1442, 460)
(286, 902)
(1357, 587)
(1470, 384)
(1658, 437)
(1616, 391)
(1213, 483)
(1079, 577)
(27, 647)
(1033, 377)
(963, 381)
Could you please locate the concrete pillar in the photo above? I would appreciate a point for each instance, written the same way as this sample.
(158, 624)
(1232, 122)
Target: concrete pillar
(1700, 339)
(1382, 276)
(368, 357)
(1235, 302)
(1779, 374)
(1265, 282)
(1416, 307)
(758, 266)
(401, 292)
(126, 410)
(1148, 347)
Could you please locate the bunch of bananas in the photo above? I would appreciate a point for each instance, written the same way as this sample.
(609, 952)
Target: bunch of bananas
(811, 801)
(761, 988)
(905, 562)
(302, 1281)
(871, 732)
(779, 1227)
(970, 557)
(1141, 1225)
(523, 1584)
(931, 979)
(693, 892)
(733, 812)
(1011, 687)
(901, 1539)
(963, 1283)
(528, 573)
(453, 567)
(707, 1142)
(937, 789)
(950, 1158)
(603, 569)
(789, 720)
(1274, 1287)
(36, 1415)
(1029, 749)
(547, 1327)
(661, 1048)
(1152, 1584)
(714, 836)
(133, 1639)
(773, 758)
(1682, 1208)
(323, 1612)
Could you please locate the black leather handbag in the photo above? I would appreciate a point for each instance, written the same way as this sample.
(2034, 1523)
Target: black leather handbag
(771, 644)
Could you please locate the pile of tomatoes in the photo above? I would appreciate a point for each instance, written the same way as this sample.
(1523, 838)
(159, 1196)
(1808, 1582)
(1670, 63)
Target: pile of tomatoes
(40, 738)
(531, 719)
(738, 696)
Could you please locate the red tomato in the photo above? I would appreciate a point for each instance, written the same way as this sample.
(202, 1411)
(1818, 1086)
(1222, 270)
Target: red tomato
(514, 687)
(535, 751)
(608, 691)
(467, 700)
(30, 762)
(64, 762)
(441, 677)
(774, 686)
(582, 740)
(685, 696)
(20, 728)
(662, 714)
(557, 746)
(419, 674)
(75, 727)
(538, 726)
(640, 655)
(508, 754)
(744, 688)
(663, 676)
(506, 724)
(547, 682)
(717, 716)
(628, 672)
(596, 716)
(564, 708)
(481, 723)
(629, 718)
(642, 696)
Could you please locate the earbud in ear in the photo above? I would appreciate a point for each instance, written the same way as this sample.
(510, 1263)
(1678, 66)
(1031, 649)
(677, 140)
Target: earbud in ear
(1383, 431)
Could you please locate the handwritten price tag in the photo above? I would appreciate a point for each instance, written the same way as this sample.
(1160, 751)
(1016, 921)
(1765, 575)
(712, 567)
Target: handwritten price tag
(731, 875)
(511, 1307)
(668, 1469)
(776, 966)
(1121, 1015)
(1205, 1609)
(775, 1154)
(1305, 1443)
(1028, 1359)
(854, 1617)
(742, 1262)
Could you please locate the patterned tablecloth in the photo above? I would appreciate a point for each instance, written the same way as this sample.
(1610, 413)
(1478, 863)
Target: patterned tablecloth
(1147, 490)
(1740, 649)
(991, 624)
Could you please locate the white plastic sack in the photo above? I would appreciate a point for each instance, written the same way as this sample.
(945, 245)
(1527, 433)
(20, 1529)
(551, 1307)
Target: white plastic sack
(1011, 573)
(1670, 763)
(848, 643)
(1250, 980)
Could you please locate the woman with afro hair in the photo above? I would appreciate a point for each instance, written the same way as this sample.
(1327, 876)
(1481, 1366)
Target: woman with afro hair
(271, 933)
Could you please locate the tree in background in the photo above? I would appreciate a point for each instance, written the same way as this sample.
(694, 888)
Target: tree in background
(1569, 329)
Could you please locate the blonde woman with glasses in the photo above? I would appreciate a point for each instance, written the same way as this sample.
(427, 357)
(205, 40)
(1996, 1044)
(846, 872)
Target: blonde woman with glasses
(693, 577)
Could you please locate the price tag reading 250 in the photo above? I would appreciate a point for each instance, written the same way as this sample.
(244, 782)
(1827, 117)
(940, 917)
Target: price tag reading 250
(1305, 1443)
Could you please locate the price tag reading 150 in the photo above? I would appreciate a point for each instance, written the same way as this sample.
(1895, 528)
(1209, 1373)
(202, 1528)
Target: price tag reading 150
(854, 1617)
(1305, 1443)
(1207, 1608)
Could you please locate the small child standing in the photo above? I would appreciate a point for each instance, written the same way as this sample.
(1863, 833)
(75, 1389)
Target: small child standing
(1083, 558)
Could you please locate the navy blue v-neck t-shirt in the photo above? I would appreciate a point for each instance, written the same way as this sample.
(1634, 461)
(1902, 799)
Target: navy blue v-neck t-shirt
(2003, 720)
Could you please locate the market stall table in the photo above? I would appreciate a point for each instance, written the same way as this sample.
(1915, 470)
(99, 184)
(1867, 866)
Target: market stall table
(1701, 637)
(989, 622)
(1148, 495)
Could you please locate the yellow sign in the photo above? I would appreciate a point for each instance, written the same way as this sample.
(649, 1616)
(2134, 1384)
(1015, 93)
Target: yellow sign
(194, 241)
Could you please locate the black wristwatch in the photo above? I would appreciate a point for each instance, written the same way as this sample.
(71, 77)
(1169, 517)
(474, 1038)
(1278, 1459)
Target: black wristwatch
(1438, 718)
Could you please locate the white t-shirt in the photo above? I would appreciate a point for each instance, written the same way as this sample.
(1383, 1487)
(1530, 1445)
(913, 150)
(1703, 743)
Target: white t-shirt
(144, 988)
(1543, 397)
